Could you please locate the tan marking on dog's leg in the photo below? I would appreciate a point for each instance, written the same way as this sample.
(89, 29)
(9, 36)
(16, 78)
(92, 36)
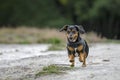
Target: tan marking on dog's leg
(71, 58)
(81, 57)
(84, 60)
(80, 47)
(71, 49)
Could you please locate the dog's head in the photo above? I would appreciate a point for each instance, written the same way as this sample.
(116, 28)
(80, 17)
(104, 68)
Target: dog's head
(73, 31)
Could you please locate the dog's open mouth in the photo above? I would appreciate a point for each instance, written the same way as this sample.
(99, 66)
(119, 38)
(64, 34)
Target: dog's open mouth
(72, 39)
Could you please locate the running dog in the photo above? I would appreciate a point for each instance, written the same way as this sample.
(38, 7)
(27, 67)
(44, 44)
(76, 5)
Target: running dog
(76, 44)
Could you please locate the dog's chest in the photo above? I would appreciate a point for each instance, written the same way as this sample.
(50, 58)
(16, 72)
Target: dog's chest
(76, 53)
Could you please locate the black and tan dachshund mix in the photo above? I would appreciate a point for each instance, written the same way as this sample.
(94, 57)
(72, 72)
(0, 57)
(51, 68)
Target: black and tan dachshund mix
(76, 44)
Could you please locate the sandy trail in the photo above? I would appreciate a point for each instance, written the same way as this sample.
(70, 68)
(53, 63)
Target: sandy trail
(22, 62)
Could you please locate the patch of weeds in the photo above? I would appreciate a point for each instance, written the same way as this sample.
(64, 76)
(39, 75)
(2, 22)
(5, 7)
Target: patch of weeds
(54, 41)
(112, 41)
(50, 41)
(24, 42)
(52, 69)
(54, 47)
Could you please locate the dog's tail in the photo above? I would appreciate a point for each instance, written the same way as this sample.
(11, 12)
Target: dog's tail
(86, 48)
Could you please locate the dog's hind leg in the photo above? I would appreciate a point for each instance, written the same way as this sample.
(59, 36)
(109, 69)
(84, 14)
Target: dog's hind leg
(84, 60)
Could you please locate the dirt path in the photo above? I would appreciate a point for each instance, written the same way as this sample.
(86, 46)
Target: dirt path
(22, 62)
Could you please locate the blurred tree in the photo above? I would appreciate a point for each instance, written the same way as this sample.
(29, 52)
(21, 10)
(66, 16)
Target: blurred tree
(30, 13)
(106, 17)
(102, 16)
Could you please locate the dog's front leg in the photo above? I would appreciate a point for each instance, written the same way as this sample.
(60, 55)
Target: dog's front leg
(71, 56)
(71, 59)
(82, 58)
(82, 55)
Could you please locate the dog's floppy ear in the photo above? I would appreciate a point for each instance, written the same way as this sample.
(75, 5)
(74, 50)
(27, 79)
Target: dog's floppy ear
(80, 29)
(64, 28)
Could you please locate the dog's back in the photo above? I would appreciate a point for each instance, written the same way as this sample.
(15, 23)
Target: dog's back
(86, 48)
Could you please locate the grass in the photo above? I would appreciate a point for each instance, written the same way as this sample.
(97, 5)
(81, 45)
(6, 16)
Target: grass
(52, 40)
(54, 47)
(25, 35)
(92, 37)
(56, 44)
(52, 69)
(112, 41)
